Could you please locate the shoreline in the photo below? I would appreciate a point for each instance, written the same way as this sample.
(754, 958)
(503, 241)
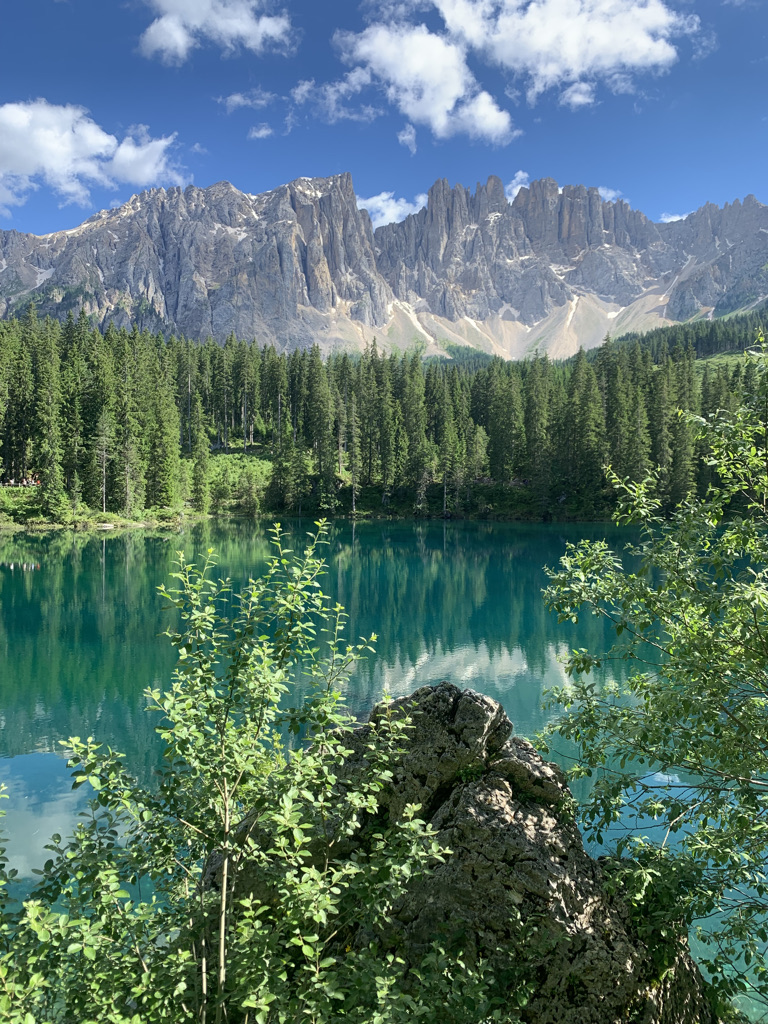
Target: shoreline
(83, 526)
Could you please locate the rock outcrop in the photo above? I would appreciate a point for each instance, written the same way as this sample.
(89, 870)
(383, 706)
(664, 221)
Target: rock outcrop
(552, 270)
(518, 876)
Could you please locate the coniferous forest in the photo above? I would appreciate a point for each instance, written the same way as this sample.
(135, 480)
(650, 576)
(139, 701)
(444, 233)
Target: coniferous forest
(126, 423)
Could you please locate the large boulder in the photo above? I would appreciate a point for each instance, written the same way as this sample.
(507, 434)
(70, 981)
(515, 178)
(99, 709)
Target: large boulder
(518, 887)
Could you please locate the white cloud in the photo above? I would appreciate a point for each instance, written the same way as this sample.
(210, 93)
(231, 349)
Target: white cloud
(567, 44)
(609, 195)
(256, 99)
(199, 148)
(427, 78)
(554, 42)
(520, 180)
(329, 99)
(407, 138)
(183, 25)
(580, 94)
(385, 209)
(260, 131)
(668, 218)
(621, 83)
(63, 148)
(302, 92)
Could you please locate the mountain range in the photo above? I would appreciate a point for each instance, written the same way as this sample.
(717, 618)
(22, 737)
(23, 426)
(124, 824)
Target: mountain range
(552, 270)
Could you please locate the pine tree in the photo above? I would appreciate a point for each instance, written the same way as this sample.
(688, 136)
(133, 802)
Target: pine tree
(129, 469)
(74, 389)
(201, 489)
(99, 422)
(616, 387)
(48, 428)
(163, 468)
(102, 453)
(369, 412)
(537, 440)
(299, 476)
(585, 450)
(20, 410)
(319, 427)
(447, 441)
(353, 450)
(506, 427)
(415, 426)
(660, 417)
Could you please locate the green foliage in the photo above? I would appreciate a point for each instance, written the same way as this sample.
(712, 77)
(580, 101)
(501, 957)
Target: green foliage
(254, 881)
(201, 491)
(101, 418)
(678, 756)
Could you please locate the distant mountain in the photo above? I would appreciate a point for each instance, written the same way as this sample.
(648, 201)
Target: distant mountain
(552, 270)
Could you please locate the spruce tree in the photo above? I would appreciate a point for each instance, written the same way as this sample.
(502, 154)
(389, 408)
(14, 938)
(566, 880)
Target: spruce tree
(163, 468)
(447, 441)
(506, 427)
(319, 427)
(661, 441)
(537, 424)
(353, 450)
(369, 411)
(129, 470)
(74, 389)
(102, 453)
(584, 425)
(20, 411)
(415, 426)
(48, 427)
(99, 422)
(299, 476)
(201, 489)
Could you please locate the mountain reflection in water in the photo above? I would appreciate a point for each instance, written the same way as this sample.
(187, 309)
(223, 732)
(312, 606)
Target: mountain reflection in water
(81, 634)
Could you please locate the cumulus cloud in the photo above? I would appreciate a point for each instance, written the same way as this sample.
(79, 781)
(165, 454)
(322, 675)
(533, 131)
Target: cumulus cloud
(668, 218)
(256, 99)
(183, 25)
(329, 100)
(260, 131)
(574, 46)
(554, 43)
(426, 76)
(580, 94)
(520, 180)
(386, 209)
(609, 195)
(407, 138)
(64, 149)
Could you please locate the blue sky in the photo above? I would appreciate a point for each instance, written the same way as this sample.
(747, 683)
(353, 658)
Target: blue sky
(661, 101)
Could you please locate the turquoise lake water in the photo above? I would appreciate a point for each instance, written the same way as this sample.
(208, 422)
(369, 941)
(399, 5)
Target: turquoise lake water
(80, 625)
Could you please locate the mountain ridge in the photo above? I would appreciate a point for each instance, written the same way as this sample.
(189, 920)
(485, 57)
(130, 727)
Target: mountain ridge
(551, 270)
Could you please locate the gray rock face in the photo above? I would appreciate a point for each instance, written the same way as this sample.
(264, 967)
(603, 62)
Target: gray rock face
(471, 256)
(302, 263)
(518, 864)
(209, 262)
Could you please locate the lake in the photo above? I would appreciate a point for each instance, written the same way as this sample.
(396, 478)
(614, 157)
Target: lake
(81, 625)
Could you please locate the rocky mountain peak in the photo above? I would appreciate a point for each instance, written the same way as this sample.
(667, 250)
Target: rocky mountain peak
(554, 269)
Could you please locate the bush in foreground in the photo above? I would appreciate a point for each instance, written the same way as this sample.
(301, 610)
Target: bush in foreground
(679, 755)
(228, 891)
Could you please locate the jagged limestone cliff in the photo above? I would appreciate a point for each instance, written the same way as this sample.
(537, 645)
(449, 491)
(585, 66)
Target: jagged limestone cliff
(552, 270)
